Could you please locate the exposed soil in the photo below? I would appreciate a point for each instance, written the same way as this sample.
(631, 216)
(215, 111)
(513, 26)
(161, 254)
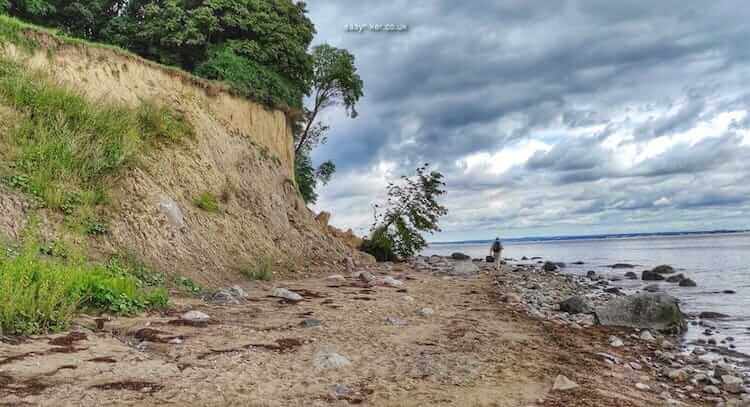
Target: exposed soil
(473, 351)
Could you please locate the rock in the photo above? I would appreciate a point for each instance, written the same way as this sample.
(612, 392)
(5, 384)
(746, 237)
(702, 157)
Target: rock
(234, 295)
(172, 211)
(656, 312)
(621, 266)
(729, 292)
(732, 384)
(616, 342)
(463, 268)
(286, 294)
(323, 218)
(676, 278)
(324, 360)
(678, 375)
(652, 288)
(549, 266)
(460, 256)
(578, 263)
(646, 336)
(712, 390)
(591, 275)
(643, 387)
(392, 282)
(336, 277)
(635, 366)
(195, 317)
(613, 290)
(663, 269)
(562, 383)
(630, 275)
(349, 265)
(366, 276)
(576, 305)
(310, 323)
(511, 298)
(649, 275)
(425, 312)
(395, 321)
(688, 283)
(712, 315)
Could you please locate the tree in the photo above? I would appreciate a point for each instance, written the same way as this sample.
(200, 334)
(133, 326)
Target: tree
(260, 47)
(412, 209)
(335, 81)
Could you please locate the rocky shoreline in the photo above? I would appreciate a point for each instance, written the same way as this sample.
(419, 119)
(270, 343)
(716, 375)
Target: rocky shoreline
(677, 371)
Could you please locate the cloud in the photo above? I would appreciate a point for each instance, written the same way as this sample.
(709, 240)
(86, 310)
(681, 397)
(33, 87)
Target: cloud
(563, 117)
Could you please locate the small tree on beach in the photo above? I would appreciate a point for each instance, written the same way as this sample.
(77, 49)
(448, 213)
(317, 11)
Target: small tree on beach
(411, 209)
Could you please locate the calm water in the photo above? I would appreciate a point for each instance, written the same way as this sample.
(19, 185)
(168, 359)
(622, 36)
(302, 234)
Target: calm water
(715, 262)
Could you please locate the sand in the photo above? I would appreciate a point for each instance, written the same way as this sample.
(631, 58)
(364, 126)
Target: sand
(473, 350)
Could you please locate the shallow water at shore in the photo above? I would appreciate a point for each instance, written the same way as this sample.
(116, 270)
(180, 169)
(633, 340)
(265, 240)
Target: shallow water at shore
(716, 262)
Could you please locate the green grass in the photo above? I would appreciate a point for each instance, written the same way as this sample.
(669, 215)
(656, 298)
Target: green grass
(208, 202)
(65, 147)
(39, 294)
(262, 270)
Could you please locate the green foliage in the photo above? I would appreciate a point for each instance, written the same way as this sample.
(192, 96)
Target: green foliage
(379, 246)
(335, 81)
(128, 265)
(187, 285)
(248, 77)
(411, 209)
(39, 295)
(262, 270)
(65, 146)
(208, 202)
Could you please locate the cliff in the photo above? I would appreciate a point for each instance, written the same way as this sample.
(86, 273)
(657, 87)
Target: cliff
(241, 153)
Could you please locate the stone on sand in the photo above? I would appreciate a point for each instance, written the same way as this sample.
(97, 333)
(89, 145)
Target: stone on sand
(325, 360)
(562, 383)
(286, 294)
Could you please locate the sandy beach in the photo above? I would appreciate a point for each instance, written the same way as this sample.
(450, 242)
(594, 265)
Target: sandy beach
(416, 338)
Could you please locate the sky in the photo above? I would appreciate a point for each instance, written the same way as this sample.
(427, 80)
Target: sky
(546, 117)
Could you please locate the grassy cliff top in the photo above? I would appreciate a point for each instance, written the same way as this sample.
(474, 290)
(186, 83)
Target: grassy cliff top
(30, 38)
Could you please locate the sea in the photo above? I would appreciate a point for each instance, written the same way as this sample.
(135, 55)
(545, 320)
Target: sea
(718, 261)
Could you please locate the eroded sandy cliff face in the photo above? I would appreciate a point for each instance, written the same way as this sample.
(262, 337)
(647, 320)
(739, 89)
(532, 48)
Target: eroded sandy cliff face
(241, 153)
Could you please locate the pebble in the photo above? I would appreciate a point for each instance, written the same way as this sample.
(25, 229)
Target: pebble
(646, 336)
(712, 390)
(195, 316)
(286, 294)
(616, 342)
(392, 282)
(641, 386)
(310, 323)
(324, 360)
(395, 321)
(562, 383)
(425, 312)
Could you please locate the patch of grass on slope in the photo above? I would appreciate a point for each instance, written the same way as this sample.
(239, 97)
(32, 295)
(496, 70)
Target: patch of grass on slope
(41, 294)
(65, 146)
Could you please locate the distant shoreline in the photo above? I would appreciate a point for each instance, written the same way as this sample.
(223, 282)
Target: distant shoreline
(592, 237)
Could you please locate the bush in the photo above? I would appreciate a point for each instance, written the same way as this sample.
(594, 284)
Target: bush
(208, 202)
(262, 270)
(379, 246)
(40, 295)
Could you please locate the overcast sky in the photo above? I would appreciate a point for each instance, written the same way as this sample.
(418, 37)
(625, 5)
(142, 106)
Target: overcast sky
(547, 117)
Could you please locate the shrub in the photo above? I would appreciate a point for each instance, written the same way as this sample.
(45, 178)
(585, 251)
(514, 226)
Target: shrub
(208, 202)
(187, 285)
(40, 295)
(262, 270)
(379, 246)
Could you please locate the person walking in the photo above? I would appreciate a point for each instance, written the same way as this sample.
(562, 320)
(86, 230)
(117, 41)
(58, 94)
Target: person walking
(497, 251)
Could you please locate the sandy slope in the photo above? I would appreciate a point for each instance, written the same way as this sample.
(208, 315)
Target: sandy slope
(473, 351)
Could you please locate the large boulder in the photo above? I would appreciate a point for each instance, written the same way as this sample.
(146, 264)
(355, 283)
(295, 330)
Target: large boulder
(549, 266)
(656, 312)
(650, 275)
(663, 269)
(576, 305)
(688, 283)
(676, 278)
(460, 256)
